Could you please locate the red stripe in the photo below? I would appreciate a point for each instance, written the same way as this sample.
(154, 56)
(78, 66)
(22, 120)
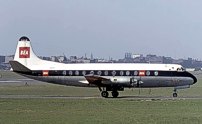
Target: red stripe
(142, 73)
(45, 73)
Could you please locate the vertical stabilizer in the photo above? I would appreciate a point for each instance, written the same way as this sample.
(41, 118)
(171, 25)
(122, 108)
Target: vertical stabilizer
(24, 53)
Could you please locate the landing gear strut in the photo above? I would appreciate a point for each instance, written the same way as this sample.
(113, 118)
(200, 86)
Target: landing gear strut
(175, 94)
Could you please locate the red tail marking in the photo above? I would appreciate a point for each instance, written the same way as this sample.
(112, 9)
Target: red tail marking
(24, 52)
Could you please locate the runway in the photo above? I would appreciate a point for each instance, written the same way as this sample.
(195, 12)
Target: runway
(92, 97)
(18, 81)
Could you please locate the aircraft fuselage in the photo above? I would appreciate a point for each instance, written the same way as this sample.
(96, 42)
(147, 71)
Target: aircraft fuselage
(111, 76)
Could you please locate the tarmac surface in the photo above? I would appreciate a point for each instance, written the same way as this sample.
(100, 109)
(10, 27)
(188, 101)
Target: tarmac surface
(18, 81)
(24, 81)
(91, 97)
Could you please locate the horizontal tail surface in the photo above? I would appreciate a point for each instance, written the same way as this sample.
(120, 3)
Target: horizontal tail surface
(18, 67)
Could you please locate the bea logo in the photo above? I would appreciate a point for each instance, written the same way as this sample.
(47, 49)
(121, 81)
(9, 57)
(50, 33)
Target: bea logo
(24, 52)
(141, 73)
(45, 73)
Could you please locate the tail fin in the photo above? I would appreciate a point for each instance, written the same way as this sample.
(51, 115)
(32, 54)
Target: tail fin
(24, 53)
(25, 59)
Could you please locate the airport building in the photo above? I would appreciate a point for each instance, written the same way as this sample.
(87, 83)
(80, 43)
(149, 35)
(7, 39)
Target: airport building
(2, 59)
(9, 58)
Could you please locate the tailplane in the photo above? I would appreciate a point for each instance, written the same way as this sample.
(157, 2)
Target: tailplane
(18, 67)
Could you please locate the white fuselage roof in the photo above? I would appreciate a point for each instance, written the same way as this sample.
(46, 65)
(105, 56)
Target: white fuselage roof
(47, 65)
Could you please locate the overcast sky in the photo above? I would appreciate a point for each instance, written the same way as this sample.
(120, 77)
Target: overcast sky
(103, 27)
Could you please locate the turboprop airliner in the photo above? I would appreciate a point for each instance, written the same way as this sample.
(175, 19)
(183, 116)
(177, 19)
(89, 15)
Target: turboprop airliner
(106, 76)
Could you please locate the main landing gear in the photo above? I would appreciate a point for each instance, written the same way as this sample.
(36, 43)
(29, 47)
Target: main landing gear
(115, 92)
(106, 94)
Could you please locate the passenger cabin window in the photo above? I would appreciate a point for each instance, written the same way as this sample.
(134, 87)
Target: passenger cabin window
(127, 73)
(99, 73)
(64, 73)
(76, 72)
(156, 73)
(113, 73)
(106, 73)
(121, 73)
(84, 72)
(147, 73)
(92, 73)
(135, 73)
(70, 73)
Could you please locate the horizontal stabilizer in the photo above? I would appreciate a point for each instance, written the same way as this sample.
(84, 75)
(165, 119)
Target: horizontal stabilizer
(18, 67)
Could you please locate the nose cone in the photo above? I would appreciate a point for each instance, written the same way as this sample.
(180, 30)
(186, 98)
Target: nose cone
(194, 78)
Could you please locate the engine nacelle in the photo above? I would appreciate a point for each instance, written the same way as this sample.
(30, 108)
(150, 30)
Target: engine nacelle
(120, 80)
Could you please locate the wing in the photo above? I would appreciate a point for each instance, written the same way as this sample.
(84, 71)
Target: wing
(115, 81)
(97, 80)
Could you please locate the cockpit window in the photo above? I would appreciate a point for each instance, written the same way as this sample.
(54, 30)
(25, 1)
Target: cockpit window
(180, 69)
(183, 69)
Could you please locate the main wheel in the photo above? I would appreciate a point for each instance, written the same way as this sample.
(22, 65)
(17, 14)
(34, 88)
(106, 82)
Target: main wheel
(115, 94)
(174, 94)
(105, 94)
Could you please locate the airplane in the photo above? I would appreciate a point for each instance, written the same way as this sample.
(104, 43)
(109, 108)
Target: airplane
(106, 76)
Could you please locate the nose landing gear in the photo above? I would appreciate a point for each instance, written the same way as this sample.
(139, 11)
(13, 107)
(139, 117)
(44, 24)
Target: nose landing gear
(175, 94)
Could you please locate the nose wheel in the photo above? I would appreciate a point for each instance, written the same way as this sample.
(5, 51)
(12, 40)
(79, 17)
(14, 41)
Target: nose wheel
(175, 94)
